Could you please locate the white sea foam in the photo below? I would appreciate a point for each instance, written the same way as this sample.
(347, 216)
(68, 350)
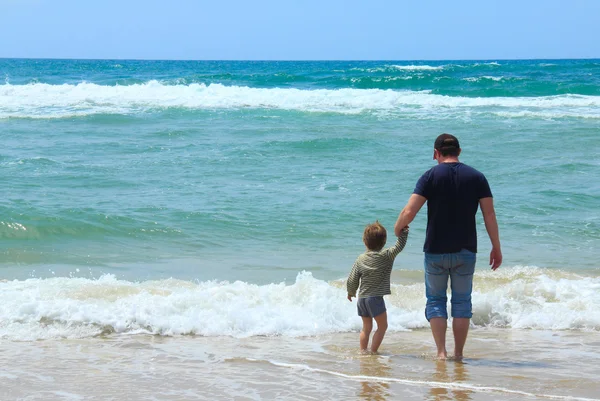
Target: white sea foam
(389, 68)
(435, 384)
(418, 67)
(549, 115)
(483, 78)
(59, 101)
(519, 297)
(492, 63)
(422, 67)
(533, 298)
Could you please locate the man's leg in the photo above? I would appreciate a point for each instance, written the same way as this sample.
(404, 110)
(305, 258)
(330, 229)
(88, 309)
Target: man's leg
(436, 286)
(439, 326)
(460, 328)
(365, 332)
(461, 282)
(382, 326)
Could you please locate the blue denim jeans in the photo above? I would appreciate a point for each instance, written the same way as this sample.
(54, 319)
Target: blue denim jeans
(460, 267)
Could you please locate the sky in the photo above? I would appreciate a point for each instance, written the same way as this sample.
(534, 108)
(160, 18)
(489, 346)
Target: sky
(300, 30)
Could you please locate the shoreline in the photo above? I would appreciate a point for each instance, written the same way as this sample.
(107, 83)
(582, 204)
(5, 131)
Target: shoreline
(499, 364)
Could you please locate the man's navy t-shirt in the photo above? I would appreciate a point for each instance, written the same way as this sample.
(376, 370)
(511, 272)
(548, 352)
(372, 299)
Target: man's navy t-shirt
(453, 191)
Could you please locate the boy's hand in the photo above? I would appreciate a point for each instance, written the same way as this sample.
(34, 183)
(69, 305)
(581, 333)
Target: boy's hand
(350, 297)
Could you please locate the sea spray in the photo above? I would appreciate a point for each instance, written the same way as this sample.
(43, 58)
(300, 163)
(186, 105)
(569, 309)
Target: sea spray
(517, 297)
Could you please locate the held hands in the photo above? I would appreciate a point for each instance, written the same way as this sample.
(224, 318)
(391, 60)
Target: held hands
(495, 258)
(350, 297)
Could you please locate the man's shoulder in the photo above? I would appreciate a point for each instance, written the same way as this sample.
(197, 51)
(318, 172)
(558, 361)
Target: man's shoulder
(428, 173)
(468, 167)
(471, 170)
(465, 172)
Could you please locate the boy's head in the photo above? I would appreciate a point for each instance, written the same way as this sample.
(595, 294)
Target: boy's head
(375, 236)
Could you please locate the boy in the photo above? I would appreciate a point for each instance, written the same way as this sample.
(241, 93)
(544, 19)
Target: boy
(372, 271)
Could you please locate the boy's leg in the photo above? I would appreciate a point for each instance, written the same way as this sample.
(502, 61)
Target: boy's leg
(382, 326)
(365, 332)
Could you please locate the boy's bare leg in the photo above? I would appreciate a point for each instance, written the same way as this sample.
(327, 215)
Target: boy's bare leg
(438, 328)
(382, 326)
(460, 327)
(365, 332)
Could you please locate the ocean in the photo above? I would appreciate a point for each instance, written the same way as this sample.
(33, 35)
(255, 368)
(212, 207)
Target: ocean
(183, 229)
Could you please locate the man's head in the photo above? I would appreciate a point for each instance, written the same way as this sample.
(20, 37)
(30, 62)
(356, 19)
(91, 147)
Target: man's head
(375, 236)
(446, 146)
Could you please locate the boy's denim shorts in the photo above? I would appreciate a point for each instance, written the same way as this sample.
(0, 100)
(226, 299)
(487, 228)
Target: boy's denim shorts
(370, 306)
(460, 267)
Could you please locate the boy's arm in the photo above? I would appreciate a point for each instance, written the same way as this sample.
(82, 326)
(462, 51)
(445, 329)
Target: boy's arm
(400, 244)
(353, 281)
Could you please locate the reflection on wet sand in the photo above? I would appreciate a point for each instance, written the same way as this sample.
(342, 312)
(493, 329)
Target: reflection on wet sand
(374, 366)
(458, 374)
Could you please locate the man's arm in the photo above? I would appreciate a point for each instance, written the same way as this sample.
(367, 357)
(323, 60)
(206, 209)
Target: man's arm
(415, 203)
(491, 225)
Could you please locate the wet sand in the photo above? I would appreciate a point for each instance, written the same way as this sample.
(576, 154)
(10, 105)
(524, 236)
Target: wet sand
(499, 365)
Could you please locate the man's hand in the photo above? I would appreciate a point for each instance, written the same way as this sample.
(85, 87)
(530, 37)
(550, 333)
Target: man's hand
(495, 258)
(350, 297)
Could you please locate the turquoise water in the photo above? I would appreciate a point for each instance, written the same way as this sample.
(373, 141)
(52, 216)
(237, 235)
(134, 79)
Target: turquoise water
(257, 171)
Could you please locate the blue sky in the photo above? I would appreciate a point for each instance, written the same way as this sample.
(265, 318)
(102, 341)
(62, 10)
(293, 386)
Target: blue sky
(300, 30)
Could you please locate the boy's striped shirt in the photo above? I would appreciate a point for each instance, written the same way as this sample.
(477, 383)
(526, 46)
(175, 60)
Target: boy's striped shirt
(372, 270)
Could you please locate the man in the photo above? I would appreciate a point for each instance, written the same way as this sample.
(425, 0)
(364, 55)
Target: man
(453, 192)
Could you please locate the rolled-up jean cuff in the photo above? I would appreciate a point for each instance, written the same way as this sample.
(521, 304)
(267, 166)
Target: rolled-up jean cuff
(464, 311)
(431, 313)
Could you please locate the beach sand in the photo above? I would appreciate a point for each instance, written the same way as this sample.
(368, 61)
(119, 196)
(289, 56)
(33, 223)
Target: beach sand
(501, 364)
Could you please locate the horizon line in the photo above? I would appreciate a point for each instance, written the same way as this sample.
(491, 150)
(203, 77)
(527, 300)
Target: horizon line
(295, 60)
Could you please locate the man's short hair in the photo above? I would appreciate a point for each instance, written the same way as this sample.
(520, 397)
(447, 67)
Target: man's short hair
(447, 145)
(375, 236)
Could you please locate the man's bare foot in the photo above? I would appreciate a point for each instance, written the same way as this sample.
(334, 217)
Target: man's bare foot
(453, 358)
(442, 354)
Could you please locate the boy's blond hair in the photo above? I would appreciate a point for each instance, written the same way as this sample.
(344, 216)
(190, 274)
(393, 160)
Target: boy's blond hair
(375, 236)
